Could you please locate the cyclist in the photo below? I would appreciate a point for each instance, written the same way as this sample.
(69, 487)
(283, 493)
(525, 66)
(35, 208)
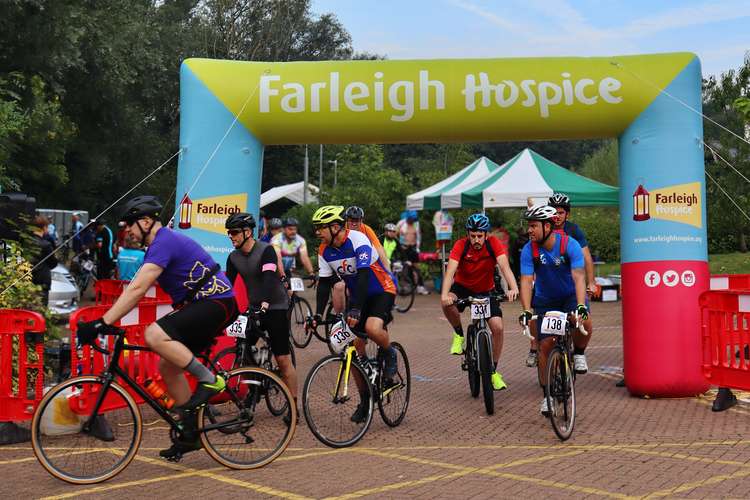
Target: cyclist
(204, 306)
(471, 272)
(257, 263)
(390, 242)
(274, 228)
(557, 262)
(289, 244)
(410, 237)
(349, 255)
(354, 222)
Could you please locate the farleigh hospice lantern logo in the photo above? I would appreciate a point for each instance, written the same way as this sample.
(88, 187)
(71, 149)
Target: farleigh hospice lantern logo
(210, 214)
(678, 203)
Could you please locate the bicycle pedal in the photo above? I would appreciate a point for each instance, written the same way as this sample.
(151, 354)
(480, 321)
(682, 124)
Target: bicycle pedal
(177, 457)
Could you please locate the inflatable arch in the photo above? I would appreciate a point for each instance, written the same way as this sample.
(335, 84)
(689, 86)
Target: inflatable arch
(662, 199)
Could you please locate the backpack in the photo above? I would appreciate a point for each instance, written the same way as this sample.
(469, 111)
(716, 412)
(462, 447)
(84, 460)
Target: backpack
(563, 250)
(467, 245)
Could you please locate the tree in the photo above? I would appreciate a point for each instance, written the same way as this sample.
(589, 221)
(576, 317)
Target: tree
(603, 164)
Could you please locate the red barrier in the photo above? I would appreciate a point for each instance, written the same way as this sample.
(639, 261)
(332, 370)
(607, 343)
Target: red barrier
(107, 292)
(22, 332)
(730, 281)
(725, 326)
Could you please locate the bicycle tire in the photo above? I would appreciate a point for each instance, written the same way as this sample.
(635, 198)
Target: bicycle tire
(323, 413)
(121, 407)
(240, 412)
(485, 370)
(223, 362)
(471, 362)
(327, 316)
(405, 291)
(299, 310)
(393, 402)
(561, 396)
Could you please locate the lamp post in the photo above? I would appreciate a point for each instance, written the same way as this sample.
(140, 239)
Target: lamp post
(335, 167)
(307, 170)
(320, 173)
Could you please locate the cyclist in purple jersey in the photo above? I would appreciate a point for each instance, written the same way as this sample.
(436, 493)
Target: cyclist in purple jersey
(204, 306)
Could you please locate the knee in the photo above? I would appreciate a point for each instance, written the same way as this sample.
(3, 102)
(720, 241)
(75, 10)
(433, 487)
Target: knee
(339, 287)
(152, 335)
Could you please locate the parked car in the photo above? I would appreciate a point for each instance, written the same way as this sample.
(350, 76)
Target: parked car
(64, 294)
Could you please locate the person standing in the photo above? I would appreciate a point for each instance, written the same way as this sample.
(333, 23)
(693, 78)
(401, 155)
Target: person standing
(129, 260)
(104, 250)
(77, 233)
(410, 237)
(45, 259)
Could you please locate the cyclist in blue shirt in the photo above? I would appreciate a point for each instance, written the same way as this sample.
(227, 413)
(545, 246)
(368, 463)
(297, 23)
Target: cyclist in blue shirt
(557, 262)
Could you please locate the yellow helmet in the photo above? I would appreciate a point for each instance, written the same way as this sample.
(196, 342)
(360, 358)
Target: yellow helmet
(328, 214)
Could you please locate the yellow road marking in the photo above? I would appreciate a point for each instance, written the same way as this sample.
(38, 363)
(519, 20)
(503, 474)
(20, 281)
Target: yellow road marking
(697, 484)
(404, 484)
(681, 456)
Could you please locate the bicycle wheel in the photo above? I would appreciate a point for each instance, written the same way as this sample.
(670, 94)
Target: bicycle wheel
(561, 396)
(485, 370)
(330, 400)
(238, 432)
(471, 362)
(405, 291)
(393, 400)
(84, 456)
(298, 312)
(227, 360)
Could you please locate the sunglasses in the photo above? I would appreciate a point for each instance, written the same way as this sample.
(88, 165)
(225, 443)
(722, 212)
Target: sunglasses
(319, 227)
(234, 232)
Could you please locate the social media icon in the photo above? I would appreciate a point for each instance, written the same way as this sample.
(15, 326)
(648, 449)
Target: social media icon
(688, 278)
(652, 279)
(670, 278)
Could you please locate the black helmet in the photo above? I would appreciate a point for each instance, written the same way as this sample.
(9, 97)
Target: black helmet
(291, 221)
(354, 212)
(275, 223)
(239, 220)
(559, 200)
(141, 206)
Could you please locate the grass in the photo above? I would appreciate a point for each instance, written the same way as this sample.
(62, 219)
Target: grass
(724, 263)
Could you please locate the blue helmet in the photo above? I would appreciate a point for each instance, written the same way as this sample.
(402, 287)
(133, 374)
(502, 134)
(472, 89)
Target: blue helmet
(478, 222)
(411, 215)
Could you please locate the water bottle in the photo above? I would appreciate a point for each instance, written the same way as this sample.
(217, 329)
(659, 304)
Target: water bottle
(159, 393)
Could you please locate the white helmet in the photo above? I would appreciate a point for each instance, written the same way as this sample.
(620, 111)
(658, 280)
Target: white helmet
(540, 213)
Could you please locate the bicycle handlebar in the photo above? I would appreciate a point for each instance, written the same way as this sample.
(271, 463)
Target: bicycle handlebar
(471, 300)
(574, 314)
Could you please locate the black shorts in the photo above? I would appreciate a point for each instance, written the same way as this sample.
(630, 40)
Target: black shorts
(198, 323)
(462, 292)
(376, 306)
(276, 323)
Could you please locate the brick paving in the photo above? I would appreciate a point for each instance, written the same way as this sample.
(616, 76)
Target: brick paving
(447, 447)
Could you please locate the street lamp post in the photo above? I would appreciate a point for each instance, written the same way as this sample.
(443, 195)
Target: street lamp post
(307, 169)
(335, 167)
(320, 173)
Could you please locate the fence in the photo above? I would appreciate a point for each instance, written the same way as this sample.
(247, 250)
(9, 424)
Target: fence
(725, 327)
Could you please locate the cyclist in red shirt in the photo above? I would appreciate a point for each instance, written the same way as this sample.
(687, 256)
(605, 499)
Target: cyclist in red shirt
(471, 272)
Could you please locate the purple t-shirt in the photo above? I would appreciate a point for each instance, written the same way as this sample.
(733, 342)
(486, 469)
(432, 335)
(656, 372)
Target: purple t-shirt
(184, 262)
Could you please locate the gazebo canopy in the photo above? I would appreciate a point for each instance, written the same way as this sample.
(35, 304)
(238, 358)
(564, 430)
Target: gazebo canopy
(295, 192)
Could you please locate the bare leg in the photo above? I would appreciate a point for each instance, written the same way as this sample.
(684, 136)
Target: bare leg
(288, 373)
(580, 340)
(545, 347)
(175, 357)
(496, 327)
(174, 378)
(451, 313)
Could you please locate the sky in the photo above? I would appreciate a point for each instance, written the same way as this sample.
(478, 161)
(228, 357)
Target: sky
(717, 31)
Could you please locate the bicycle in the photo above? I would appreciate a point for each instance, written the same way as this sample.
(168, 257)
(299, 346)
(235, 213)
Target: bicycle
(104, 425)
(83, 269)
(244, 353)
(329, 401)
(299, 310)
(477, 360)
(327, 321)
(406, 285)
(561, 377)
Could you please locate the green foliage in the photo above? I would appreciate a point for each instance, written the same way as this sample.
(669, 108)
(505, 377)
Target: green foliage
(602, 229)
(603, 164)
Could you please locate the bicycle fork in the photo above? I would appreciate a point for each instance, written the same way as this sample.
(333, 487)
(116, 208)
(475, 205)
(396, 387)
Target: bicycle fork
(343, 378)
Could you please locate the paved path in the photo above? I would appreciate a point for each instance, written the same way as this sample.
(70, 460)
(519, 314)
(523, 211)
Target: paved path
(447, 447)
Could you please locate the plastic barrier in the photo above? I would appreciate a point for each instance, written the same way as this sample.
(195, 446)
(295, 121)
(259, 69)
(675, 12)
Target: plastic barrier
(730, 281)
(107, 291)
(22, 333)
(139, 365)
(725, 327)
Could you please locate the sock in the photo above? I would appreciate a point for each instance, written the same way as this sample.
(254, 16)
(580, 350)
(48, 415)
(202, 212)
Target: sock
(544, 390)
(532, 350)
(578, 350)
(200, 372)
(459, 330)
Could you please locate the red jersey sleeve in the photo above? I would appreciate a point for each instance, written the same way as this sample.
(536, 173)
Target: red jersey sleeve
(458, 249)
(497, 246)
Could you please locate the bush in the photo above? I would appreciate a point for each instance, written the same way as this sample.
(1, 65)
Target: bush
(602, 229)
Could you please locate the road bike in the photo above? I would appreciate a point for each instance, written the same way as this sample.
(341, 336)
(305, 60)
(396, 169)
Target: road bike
(561, 377)
(406, 284)
(478, 351)
(253, 348)
(340, 383)
(98, 424)
(299, 310)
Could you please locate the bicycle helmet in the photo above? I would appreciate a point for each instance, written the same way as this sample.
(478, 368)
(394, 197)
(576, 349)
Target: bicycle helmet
(390, 227)
(141, 206)
(559, 200)
(328, 214)
(239, 220)
(354, 212)
(478, 222)
(275, 223)
(541, 213)
(291, 221)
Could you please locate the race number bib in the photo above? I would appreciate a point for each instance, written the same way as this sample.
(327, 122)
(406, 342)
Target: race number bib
(554, 323)
(297, 285)
(480, 308)
(237, 329)
(341, 336)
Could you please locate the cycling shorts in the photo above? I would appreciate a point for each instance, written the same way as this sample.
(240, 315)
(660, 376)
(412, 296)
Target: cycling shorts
(462, 292)
(377, 306)
(276, 323)
(198, 323)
